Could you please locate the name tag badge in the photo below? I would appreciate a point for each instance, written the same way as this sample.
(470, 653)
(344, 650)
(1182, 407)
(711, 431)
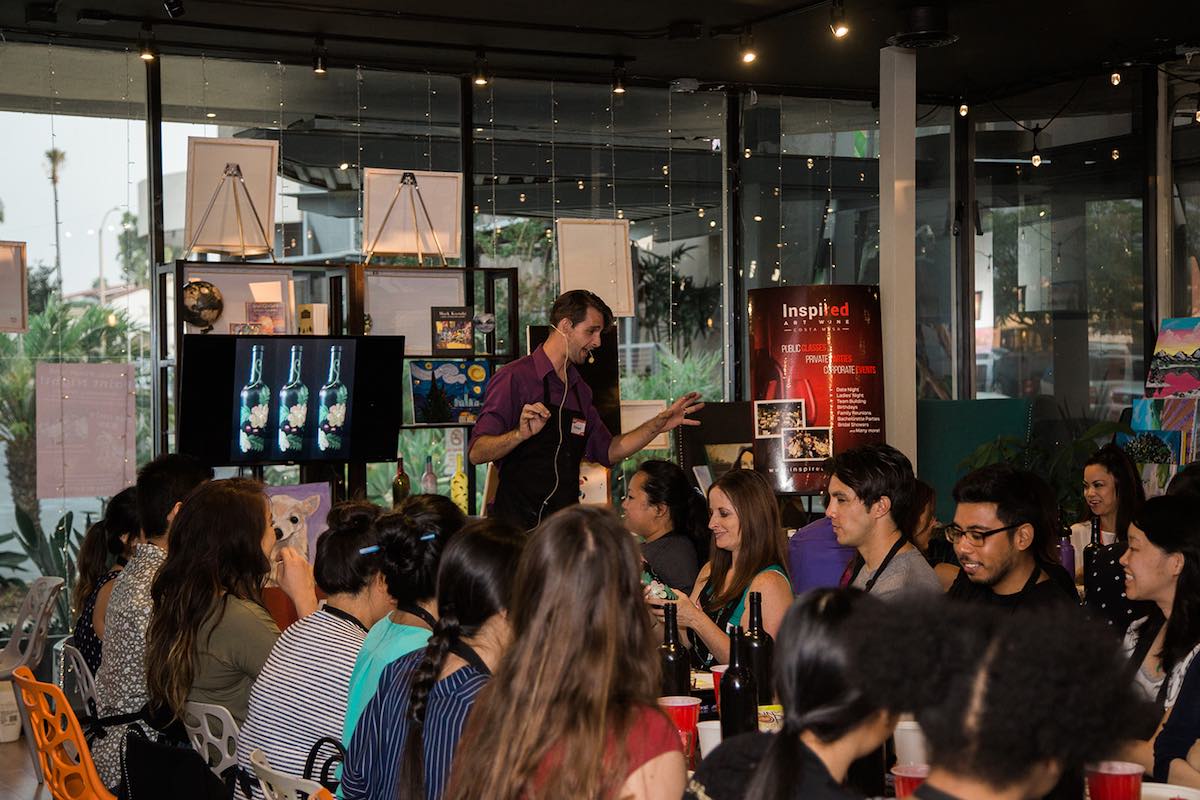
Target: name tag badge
(578, 426)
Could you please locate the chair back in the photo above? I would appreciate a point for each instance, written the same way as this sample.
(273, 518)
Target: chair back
(32, 626)
(63, 754)
(277, 786)
(213, 733)
(75, 669)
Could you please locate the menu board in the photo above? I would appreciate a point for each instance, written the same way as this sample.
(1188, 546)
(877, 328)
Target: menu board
(816, 374)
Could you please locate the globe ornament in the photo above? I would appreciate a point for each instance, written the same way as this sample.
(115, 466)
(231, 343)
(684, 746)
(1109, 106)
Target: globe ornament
(201, 304)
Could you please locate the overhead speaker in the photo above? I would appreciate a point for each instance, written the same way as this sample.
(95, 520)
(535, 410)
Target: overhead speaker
(924, 26)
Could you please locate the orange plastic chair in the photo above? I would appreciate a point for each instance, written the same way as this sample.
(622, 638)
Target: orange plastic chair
(62, 752)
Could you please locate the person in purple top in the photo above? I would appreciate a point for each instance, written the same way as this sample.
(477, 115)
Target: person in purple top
(538, 421)
(815, 558)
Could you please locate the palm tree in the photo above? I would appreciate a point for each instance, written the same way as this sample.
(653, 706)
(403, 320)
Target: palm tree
(55, 159)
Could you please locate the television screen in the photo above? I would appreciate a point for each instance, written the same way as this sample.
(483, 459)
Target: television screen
(281, 399)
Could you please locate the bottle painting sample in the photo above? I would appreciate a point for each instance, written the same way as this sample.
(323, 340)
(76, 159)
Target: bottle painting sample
(293, 407)
(331, 405)
(428, 478)
(458, 487)
(255, 407)
(401, 484)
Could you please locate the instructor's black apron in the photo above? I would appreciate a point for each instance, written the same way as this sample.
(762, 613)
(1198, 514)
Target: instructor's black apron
(527, 473)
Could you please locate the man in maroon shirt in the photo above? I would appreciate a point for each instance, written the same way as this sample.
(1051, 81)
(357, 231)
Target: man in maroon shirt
(538, 421)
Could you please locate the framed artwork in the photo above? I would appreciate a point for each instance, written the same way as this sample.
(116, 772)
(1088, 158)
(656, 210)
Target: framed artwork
(231, 226)
(595, 254)
(14, 289)
(406, 231)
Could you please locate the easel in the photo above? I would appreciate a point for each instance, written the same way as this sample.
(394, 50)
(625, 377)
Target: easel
(233, 171)
(409, 180)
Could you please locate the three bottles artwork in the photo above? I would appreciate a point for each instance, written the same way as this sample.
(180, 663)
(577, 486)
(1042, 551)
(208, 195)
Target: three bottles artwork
(293, 429)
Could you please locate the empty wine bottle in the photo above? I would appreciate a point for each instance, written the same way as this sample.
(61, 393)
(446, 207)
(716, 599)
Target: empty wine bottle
(757, 650)
(739, 694)
(401, 484)
(676, 666)
(429, 483)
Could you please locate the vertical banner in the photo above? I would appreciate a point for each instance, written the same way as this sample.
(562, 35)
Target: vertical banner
(86, 429)
(816, 376)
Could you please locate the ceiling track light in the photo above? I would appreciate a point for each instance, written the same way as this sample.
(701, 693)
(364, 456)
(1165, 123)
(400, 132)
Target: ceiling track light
(837, 19)
(618, 78)
(174, 8)
(746, 50)
(146, 50)
(963, 110)
(480, 75)
(1115, 78)
(319, 56)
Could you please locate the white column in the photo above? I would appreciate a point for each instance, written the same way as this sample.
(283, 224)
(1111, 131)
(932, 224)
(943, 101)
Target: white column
(897, 232)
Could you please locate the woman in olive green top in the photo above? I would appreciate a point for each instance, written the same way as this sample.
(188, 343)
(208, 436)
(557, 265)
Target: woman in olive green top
(209, 634)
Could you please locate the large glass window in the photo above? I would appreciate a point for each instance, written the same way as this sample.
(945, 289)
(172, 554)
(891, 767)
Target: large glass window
(1184, 101)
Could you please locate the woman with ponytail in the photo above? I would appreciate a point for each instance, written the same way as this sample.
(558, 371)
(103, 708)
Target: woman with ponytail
(408, 732)
(671, 518)
(828, 719)
(102, 556)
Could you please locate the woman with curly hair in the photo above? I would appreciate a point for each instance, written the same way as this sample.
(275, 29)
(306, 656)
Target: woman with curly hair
(406, 737)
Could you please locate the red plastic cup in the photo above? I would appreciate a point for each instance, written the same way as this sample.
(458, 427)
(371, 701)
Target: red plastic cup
(1114, 780)
(685, 713)
(908, 777)
(718, 672)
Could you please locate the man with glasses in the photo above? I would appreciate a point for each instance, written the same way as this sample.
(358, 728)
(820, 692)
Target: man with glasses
(1003, 536)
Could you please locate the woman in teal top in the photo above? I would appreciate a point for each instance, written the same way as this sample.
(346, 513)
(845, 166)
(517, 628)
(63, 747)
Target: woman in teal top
(748, 554)
(411, 541)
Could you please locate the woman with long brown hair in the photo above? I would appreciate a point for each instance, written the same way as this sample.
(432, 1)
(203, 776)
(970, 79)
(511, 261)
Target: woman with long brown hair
(571, 710)
(748, 554)
(209, 634)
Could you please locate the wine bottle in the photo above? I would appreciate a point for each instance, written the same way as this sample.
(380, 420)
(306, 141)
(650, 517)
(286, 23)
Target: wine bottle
(661, 589)
(332, 402)
(401, 485)
(1092, 548)
(293, 407)
(458, 486)
(428, 479)
(739, 694)
(757, 649)
(676, 666)
(255, 407)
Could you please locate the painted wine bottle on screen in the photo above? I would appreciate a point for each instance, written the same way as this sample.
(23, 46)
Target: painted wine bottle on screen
(293, 407)
(458, 486)
(255, 407)
(757, 650)
(676, 666)
(739, 694)
(401, 484)
(428, 478)
(1092, 548)
(332, 401)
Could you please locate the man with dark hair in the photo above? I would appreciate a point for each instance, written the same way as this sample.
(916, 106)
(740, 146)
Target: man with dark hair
(162, 486)
(538, 421)
(869, 497)
(1002, 534)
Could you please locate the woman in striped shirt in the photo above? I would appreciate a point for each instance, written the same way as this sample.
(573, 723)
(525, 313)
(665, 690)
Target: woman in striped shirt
(406, 737)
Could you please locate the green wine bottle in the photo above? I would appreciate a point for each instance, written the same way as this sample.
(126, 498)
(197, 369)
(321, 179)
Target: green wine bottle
(332, 402)
(293, 408)
(255, 407)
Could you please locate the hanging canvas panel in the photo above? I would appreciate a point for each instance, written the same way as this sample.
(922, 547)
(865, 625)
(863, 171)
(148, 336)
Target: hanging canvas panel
(401, 218)
(14, 296)
(226, 213)
(595, 254)
(637, 412)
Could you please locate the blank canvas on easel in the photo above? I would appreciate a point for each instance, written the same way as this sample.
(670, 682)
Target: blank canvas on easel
(207, 159)
(594, 254)
(404, 233)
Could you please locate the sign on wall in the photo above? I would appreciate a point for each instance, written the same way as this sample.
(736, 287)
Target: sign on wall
(816, 374)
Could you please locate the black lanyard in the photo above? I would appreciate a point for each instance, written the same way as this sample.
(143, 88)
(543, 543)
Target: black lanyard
(417, 611)
(882, 566)
(468, 654)
(337, 612)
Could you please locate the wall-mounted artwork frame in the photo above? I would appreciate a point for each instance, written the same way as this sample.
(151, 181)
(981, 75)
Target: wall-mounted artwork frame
(231, 227)
(595, 254)
(14, 288)
(406, 230)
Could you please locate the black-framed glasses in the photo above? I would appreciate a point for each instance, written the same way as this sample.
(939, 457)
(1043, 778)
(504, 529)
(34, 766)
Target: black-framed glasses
(977, 538)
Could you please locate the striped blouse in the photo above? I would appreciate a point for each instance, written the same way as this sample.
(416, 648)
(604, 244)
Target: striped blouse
(376, 749)
(300, 694)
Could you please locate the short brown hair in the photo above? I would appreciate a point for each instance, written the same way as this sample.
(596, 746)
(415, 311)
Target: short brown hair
(574, 305)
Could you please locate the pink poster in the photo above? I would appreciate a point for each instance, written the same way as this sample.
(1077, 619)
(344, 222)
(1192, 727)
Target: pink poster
(86, 429)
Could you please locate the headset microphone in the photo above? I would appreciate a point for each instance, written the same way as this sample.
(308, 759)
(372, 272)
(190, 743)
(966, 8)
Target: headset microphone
(591, 357)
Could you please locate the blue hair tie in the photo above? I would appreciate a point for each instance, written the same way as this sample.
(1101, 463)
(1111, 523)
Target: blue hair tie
(366, 551)
(428, 536)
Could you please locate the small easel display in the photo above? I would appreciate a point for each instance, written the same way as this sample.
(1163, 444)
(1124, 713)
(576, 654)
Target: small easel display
(421, 214)
(234, 176)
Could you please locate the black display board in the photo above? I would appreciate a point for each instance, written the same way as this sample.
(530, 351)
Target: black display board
(603, 374)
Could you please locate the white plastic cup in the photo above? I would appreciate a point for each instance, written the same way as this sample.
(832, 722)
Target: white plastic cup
(709, 733)
(910, 743)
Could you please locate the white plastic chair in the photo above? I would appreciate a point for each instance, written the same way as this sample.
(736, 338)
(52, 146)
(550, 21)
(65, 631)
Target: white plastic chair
(213, 734)
(28, 644)
(74, 664)
(277, 786)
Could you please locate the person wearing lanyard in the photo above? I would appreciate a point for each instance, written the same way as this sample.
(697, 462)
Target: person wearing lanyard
(538, 421)
(870, 491)
(1002, 537)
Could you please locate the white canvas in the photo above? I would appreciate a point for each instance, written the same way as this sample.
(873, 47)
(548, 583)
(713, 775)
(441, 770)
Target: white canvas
(594, 254)
(636, 412)
(239, 288)
(206, 167)
(14, 298)
(404, 234)
(399, 303)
